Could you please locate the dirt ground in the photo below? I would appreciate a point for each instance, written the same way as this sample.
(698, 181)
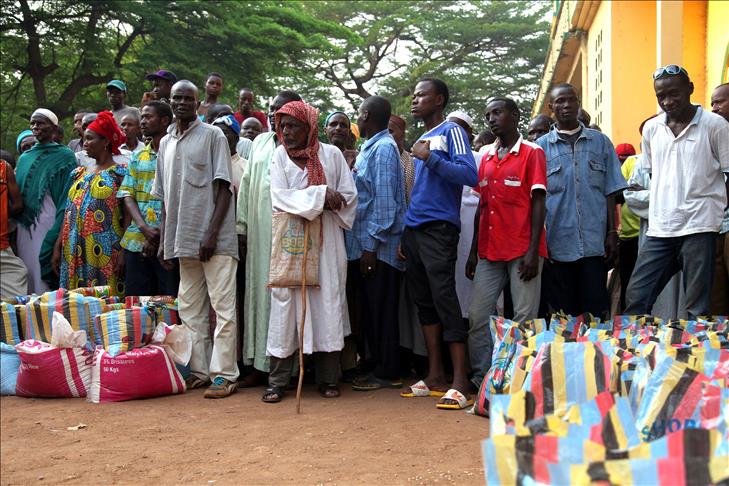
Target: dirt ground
(361, 438)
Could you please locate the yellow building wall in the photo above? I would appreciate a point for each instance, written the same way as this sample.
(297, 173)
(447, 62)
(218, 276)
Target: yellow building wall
(694, 46)
(717, 45)
(634, 44)
(598, 85)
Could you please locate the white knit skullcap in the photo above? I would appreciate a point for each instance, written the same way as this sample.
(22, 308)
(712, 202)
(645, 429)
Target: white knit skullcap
(46, 113)
(461, 115)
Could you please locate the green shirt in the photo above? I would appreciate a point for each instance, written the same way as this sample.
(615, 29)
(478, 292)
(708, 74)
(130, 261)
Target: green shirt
(629, 222)
(137, 184)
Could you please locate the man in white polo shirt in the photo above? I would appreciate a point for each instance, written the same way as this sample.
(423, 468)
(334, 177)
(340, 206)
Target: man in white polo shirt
(686, 151)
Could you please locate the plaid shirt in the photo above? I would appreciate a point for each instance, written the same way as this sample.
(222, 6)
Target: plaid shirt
(137, 184)
(380, 218)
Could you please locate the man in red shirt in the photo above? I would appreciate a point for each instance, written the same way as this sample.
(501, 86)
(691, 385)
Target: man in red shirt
(509, 245)
(245, 109)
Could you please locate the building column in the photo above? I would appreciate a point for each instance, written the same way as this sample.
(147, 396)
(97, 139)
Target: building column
(669, 32)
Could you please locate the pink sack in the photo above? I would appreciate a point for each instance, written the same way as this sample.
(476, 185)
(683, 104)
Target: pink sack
(61, 369)
(52, 372)
(139, 373)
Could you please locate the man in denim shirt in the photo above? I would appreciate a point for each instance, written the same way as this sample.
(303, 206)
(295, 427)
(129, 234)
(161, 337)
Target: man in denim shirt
(583, 177)
(374, 266)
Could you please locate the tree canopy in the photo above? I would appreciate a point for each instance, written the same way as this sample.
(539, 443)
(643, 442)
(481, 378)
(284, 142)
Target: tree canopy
(59, 54)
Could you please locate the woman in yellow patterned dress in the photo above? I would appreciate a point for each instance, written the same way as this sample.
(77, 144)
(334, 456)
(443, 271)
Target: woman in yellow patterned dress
(88, 252)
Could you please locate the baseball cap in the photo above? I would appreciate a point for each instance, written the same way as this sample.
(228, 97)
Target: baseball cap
(162, 74)
(118, 84)
(625, 149)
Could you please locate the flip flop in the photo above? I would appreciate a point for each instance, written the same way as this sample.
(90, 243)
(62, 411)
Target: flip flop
(420, 389)
(456, 396)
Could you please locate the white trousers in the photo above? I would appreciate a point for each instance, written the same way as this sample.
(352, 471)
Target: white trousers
(203, 284)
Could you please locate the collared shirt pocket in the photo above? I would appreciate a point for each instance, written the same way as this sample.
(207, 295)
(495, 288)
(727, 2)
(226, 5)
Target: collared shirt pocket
(198, 174)
(596, 174)
(555, 177)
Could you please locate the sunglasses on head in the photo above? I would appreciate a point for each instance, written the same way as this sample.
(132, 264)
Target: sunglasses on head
(670, 70)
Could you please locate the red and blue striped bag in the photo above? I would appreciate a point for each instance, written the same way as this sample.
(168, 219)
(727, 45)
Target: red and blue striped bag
(123, 330)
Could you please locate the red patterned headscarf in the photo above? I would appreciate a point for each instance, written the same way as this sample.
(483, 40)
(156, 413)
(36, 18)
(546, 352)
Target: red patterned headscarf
(105, 125)
(309, 115)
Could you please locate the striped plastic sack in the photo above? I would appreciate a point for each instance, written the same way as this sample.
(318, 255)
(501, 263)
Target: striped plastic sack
(37, 315)
(163, 306)
(571, 327)
(567, 373)
(100, 291)
(123, 330)
(670, 399)
(612, 426)
(9, 329)
(502, 328)
(9, 365)
(663, 472)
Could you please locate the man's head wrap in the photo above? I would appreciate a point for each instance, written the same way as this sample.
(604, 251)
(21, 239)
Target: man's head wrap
(310, 152)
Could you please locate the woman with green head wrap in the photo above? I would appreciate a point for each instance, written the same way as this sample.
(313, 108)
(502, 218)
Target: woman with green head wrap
(24, 142)
(44, 177)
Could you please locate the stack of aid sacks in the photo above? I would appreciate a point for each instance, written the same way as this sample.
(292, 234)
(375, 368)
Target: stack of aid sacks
(630, 401)
(86, 343)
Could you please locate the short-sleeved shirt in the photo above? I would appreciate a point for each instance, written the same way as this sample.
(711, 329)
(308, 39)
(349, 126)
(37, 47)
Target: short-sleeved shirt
(137, 184)
(578, 183)
(187, 166)
(688, 192)
(629, 221)
(505, 187)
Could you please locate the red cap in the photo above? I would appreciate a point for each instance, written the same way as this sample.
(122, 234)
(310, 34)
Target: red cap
(625, 149)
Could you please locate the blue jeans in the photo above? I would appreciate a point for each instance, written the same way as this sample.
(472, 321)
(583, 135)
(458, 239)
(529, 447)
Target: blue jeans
(659, 259)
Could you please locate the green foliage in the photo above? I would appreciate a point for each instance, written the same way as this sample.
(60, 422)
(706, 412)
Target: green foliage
(482, 49)
(59, 54)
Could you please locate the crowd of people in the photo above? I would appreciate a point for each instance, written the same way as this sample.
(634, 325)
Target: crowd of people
(417, 247)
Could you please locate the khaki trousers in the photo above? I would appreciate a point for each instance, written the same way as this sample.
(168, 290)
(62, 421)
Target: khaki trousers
(203, 284)
(13, 275)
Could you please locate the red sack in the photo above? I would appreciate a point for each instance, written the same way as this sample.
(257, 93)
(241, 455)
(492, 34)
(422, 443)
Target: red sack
(52, 372)
(139, 373)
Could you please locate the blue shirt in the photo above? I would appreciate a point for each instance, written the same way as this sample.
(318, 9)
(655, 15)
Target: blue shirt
(578, 184)
(439, 180)
(380, 201)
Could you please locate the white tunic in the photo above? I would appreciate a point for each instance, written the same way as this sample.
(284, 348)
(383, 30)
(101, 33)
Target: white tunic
(327, 318)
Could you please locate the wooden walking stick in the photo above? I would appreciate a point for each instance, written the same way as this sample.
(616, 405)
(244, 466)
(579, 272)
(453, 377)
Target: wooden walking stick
(303, 318)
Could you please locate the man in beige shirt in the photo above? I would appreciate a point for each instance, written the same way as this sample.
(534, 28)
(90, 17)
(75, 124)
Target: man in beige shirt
(193, 180)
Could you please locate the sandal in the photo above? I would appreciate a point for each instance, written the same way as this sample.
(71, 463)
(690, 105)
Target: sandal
(273, 394)
(420, 389)
(453, 395)
(329, 390)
